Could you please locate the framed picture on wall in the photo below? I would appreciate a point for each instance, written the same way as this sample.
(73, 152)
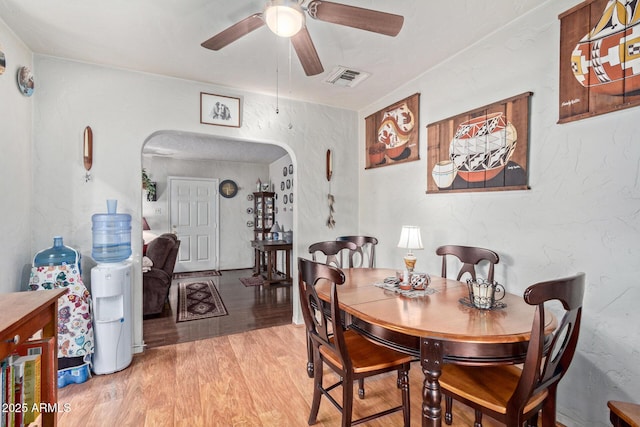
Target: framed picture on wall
(392, 134)
(219, 110)
(486, 149)
(599, 58)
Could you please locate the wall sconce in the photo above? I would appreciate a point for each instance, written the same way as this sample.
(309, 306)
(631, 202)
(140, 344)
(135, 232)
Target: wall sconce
(87, 152)
(329, 165)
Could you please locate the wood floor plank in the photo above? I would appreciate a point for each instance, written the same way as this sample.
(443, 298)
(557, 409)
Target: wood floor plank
(160, 367)
(186, 370)
(160, 416)
(228, 397)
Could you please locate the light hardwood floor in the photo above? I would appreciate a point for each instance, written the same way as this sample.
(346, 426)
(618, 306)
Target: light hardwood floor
(251, 379)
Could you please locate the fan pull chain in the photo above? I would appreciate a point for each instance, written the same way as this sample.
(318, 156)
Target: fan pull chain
(277, 80)
(290, 91)
(290, 46)
(277, 86)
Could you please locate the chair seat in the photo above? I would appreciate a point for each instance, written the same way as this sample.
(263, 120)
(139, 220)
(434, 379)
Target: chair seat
(366, 356)
(624, 413)
(492, 386)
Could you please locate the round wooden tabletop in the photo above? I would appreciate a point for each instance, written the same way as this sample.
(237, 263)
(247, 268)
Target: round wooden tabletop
(439, 315)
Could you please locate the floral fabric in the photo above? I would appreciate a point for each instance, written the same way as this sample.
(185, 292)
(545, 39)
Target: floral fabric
(75, 323)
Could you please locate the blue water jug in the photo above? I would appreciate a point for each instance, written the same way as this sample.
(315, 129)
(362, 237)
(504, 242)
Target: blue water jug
(111, 235)
(58, 254)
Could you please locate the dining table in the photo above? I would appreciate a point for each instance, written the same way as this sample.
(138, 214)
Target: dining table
(437, 325)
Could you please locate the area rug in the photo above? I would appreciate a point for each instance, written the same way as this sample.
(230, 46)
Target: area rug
(199, 300)
(203, 273)
(252, 281)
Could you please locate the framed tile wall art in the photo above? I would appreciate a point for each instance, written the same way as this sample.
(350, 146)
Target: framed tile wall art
(219, 110)
(599, 58)
(486, 149)
(392, 134)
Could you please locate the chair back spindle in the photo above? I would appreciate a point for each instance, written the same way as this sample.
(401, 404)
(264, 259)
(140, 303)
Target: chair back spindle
(332, 250)
(365, 253)
(470, 257)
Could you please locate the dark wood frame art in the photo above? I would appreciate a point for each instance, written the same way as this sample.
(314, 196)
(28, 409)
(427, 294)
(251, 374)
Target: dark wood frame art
(608, 86)
(377, 125)
(459, 170)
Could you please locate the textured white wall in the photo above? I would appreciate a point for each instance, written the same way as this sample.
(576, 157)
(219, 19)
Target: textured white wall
(126, 108)
(581, 214)
(15, 166)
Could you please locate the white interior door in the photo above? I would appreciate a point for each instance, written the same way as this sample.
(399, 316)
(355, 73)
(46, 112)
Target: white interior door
(194, 219)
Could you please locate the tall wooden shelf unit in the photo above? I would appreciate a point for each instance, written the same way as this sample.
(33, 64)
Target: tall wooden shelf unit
(22, 314)
(264, 214)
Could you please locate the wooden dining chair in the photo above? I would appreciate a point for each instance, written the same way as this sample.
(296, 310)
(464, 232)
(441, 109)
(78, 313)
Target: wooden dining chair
(366, 250)
(350, 355)
(513, 395)
(332, 251)
(469, 256)
(624, 414)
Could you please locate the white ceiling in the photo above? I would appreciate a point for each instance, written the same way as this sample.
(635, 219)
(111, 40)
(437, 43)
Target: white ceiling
(164, 37)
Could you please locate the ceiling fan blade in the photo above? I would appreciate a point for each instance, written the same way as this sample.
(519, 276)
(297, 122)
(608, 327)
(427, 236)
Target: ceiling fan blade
(307, 53)
(356, 17)
(234, 32)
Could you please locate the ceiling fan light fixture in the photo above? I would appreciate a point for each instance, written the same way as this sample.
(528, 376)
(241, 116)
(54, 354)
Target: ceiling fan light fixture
(284, 17)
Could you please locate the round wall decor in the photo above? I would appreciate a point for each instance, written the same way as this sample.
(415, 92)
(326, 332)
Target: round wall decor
(25, 81)
(228, 188)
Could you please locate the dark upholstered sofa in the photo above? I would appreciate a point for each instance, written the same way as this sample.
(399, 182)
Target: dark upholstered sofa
(163, 252)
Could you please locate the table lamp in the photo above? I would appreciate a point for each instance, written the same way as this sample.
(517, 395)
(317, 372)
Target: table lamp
(410, 239)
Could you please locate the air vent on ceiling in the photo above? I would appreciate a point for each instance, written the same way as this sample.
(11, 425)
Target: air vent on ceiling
(346, 77)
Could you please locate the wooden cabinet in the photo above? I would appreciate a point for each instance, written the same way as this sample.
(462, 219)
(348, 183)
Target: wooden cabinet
(263, 214)
(22, 314)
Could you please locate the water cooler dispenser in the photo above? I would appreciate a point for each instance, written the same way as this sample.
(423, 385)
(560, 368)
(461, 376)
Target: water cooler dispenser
(111, 290)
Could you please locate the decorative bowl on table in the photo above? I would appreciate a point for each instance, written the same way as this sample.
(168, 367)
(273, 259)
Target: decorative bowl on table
(420, 281)
(405, 286)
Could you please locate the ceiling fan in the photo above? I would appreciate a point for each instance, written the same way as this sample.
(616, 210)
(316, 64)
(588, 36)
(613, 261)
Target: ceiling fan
(286, 18)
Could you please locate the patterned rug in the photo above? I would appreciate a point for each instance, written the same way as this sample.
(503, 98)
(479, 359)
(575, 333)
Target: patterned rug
(199, 300)
(252, 281)
(203, 273)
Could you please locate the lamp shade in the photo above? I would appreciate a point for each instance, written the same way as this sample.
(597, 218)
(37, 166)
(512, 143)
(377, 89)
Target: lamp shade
(284, 17)
(410, 237)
